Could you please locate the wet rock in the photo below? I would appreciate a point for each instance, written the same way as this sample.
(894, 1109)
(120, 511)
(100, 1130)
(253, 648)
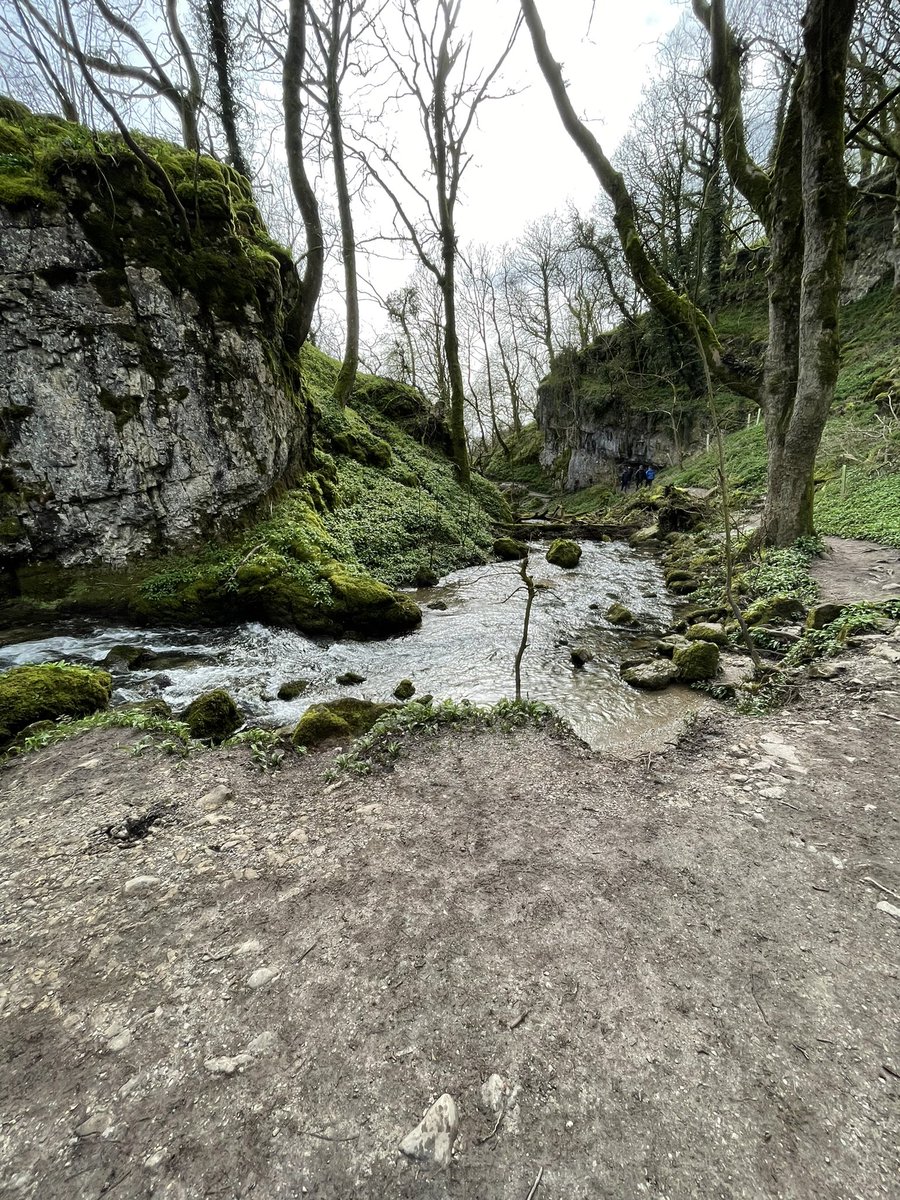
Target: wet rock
(581, 655)
(437, 605)
(124, 658)
(618, 614)
(509, 549)
(669, 644)
(172, 660)
(564, 553)
(425, 577)
(212, 717)
(292, 689)
(350, 678)
(405, 689)
(645, 537)
(707, 631)
(432, 1139)
(696, 661)
(651, 676)
(261, 976)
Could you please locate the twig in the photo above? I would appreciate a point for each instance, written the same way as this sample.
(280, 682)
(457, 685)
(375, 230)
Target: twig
(481, 1141)
(324, 1137)
(889, 716)
(308, 950)
(802, 1051)
(535, 1185)
(890, 1070)
(875, 884)
(786, 805)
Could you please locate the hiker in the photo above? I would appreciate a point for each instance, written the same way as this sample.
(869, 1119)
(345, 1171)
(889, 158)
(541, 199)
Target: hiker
(626, 477)
(649, 474)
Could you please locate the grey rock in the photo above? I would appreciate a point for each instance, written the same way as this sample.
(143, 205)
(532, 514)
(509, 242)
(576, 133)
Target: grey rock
(493, 1093)
(581, 655)
(139, 885)
(219, 796)
(651, 676)
(121, 1041)
(96, 1124)
(227, 1066)
(261, 976)
(432, 1139)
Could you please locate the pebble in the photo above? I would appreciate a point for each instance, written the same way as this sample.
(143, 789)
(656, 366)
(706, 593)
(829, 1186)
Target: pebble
(121, 1041)
(250, 947)
(216, 798)
(772, 793)
(492, 1092)
(432, 1139)
(227, 1066)
(140, 884)
(261, 976)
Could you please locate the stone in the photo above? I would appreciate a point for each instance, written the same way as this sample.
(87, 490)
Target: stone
(263, 1043)
(775, 610)
(121, 1041)
(405, 689)
(668, 644)
(96, 1124)
(493, 1093)
(652, 676)
(581, 655)
(645, 537)
(618, 614)
(425, 577)
(437, 605)
(510, 549)
(891, 909)
(825, 670)
(564, 553)
(432, 1139)
(220, 795)
(337, 721)
(821, 615)
(261, 976)
(226, 1065)
(350, 678)
(141, 884)
(212, 717)
(292, 689)
(707, 631)
(696, 661)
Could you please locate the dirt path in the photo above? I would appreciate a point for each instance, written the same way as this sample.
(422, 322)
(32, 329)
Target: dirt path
(677, 967)
(852, 570)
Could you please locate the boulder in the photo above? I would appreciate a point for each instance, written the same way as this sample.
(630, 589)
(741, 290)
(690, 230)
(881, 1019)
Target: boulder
(564, 553)
(425, 577)
(581, 655)
(645, 537)
(292, 689)
(821, 615)
(707, 631)
(509, 549)
(124, 658)
(212, 717)
(696, 661)
(405, 689)
(337, 720)
(775, 610)
(669, 644)
(349, 678)
(48, 691)
(618, 614)
(652, 676)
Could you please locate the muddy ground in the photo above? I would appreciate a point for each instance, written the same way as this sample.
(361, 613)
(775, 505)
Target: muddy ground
(683, 968)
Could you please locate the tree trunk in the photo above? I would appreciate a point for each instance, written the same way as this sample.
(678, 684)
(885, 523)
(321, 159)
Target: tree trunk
(347, 376)
(222, 55)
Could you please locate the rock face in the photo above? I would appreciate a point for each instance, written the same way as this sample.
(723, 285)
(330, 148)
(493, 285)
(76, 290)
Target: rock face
(130, 420)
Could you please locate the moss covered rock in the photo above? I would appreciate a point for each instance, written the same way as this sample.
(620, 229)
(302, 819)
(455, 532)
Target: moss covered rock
(337, 720)
(696, 661)
(618, 614)
(293, 688)
(213, 717)
(564, 553)
(49, 691)
(510, 549)
(707, 631)
(645, 537)
(775, 610)
(405, 689)
(821, 615)
(350, 678)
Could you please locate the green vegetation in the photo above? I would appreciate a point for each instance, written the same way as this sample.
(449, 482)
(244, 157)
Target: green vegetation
(520, 461)
(49, 691)
(834, 637)
(129, 717)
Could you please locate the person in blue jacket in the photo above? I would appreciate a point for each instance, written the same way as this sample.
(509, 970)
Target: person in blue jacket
(649, 474)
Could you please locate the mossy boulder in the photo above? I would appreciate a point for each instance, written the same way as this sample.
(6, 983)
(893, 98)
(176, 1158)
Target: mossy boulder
(696, 661)
(564, 553)
(405, 689)
(821, 615)
(618, 614)
(367, 606)
(510, 549)
(707, 631)
(48, 691)
(292, 688)
(124, 658)
(645, 537)
(651, 676)
(349, 678)
(337, 720)
(775, 610)
(212, 717)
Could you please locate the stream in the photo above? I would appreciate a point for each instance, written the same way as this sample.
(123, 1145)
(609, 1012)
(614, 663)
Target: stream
(465, 650)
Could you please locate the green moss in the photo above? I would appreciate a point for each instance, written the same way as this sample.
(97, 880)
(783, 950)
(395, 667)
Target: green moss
(337, 720)
(564, 553)
(292, 689)
(618, 614)
(696, 662)
(213, 717)
(510, 549)
(520, 462)
(405, 689)
(50, 691)
(775, 610)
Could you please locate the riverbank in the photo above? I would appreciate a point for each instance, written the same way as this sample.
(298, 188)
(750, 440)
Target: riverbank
(681, 967)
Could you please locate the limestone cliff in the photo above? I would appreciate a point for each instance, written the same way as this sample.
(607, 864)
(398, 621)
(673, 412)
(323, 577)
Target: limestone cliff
(144, 401)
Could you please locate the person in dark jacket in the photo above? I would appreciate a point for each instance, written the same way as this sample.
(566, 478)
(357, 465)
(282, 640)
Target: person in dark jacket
(626, 477)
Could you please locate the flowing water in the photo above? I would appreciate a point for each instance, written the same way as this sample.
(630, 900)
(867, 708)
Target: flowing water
(466, 650)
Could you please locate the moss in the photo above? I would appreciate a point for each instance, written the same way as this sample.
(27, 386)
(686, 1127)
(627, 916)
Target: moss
(405, 689)
(510, 549)
(618, 614)
(696, 661)
(213, 717)
(705, 631)
(337, 720)
(775, 610)
(564, 553)
(821, 615)
(292, 689)
(50, 691)
(350, 679)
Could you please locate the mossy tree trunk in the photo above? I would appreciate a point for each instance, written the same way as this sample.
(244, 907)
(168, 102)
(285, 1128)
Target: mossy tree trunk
(222, 54)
